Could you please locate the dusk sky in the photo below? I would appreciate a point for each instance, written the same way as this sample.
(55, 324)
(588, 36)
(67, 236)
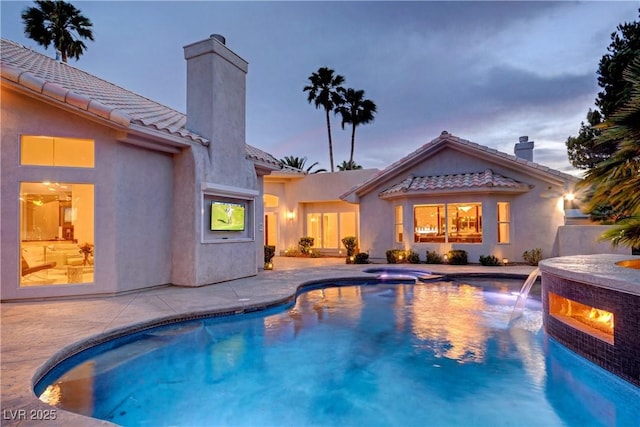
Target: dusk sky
(488, 72)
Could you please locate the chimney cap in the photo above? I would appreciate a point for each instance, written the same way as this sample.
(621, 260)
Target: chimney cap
(523, 139)
(219, 38)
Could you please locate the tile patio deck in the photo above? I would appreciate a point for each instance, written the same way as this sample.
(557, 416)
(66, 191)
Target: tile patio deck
(33, 332)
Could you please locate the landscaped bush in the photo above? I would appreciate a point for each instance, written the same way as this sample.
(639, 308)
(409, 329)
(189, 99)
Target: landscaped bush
(533, 256)
(434, 257)
(269, 253)
(305, 244)
(292, 252)
(361, 258)
(396, 256)
(351, 244)
(457, 257)
(489, 260)
(413, 257)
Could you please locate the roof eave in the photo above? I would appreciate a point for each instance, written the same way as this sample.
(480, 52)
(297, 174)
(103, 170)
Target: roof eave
(457, 191)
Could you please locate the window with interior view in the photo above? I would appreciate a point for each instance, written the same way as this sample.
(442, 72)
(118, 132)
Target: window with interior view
(504, 220)
(398, 224)
(453, 222)
(56, 233)
(328, 229)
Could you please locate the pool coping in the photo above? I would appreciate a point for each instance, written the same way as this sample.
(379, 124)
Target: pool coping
(34, 369)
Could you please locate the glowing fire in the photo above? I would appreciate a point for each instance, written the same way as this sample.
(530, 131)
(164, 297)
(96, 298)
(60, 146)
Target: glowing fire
(602, 319)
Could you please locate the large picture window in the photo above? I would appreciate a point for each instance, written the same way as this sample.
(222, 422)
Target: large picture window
(453, 222)
(56, 233)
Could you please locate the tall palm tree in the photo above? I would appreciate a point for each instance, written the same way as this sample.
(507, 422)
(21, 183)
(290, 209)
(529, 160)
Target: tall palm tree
(324, 91)
(615, 181)
(58, 23)
(300, 163)
(355, 110)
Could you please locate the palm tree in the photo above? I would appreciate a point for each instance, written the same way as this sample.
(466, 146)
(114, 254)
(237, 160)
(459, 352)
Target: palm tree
(615, 181)
(355, 110)
(58, 23)
(300, 163)
(324, 91)
(348, 166)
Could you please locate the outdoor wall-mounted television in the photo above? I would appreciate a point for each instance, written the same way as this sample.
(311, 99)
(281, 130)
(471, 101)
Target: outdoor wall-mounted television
(227, 216)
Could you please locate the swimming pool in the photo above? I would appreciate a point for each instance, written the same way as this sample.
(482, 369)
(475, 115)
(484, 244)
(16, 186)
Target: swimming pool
(387, 354)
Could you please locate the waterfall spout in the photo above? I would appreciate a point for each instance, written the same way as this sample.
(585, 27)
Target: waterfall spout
(521, 301)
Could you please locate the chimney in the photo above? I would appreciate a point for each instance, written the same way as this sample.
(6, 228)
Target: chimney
(216, 95)
(524, 149)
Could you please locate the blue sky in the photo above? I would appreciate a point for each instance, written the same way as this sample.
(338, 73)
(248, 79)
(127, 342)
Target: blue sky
(484, 71)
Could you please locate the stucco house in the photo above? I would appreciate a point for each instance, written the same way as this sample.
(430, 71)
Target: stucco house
(86, 161)
(455, 194)
(299, 204)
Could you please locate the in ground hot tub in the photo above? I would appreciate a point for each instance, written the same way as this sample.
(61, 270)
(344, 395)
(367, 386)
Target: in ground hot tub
(591, 304)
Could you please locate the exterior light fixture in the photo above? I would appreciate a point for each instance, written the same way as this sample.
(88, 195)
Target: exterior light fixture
(569, 196)
(505, 261)
(291, 215)
(446, 258)
(352, 258)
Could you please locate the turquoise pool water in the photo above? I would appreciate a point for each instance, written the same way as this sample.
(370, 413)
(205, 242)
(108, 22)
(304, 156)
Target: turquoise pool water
(436, 354)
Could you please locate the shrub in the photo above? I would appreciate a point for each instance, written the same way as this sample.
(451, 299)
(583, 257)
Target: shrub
(351, 244)
(433, 257)
(413, 257)
(292, 252)
(269, 253)
(489, 260)
(532, 256)
(361, 258)
(305, 244)
(396, 256)
(457, 257)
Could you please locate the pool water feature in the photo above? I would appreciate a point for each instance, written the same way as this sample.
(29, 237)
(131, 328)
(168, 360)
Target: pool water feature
(521, 301)
(389, 354)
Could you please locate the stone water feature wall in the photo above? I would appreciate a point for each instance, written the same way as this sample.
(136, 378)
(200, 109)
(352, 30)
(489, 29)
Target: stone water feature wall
(611, 288)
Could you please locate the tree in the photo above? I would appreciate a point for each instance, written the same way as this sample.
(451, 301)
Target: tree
(324, 91)
(583, 152)
(58, 23)
(615, 182)
(300, 163)
(356, 110)
(348, 166)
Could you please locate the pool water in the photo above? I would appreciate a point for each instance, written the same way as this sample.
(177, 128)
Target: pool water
(436, 354)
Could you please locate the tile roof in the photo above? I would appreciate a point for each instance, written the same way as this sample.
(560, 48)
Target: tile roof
(257, 154)
(87, 92)
(445, 138)
(466, 181)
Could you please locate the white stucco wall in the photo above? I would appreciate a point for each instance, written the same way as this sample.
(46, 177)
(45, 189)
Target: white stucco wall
(585, 240)
(216, 110)
(133, 201)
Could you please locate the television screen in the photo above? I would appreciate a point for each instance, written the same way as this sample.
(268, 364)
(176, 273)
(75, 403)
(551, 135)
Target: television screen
(227, 216)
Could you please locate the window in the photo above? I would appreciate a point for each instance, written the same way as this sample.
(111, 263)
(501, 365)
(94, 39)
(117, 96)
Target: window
(454, 222)
(398, 224)
(347, 225)
(430, 223)
(328, 229)
(48, 151)
(270, 201)
(56, 233)
(504, 219)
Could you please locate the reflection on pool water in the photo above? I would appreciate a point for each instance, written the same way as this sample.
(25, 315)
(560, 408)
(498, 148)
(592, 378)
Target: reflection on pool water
(388, 354)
